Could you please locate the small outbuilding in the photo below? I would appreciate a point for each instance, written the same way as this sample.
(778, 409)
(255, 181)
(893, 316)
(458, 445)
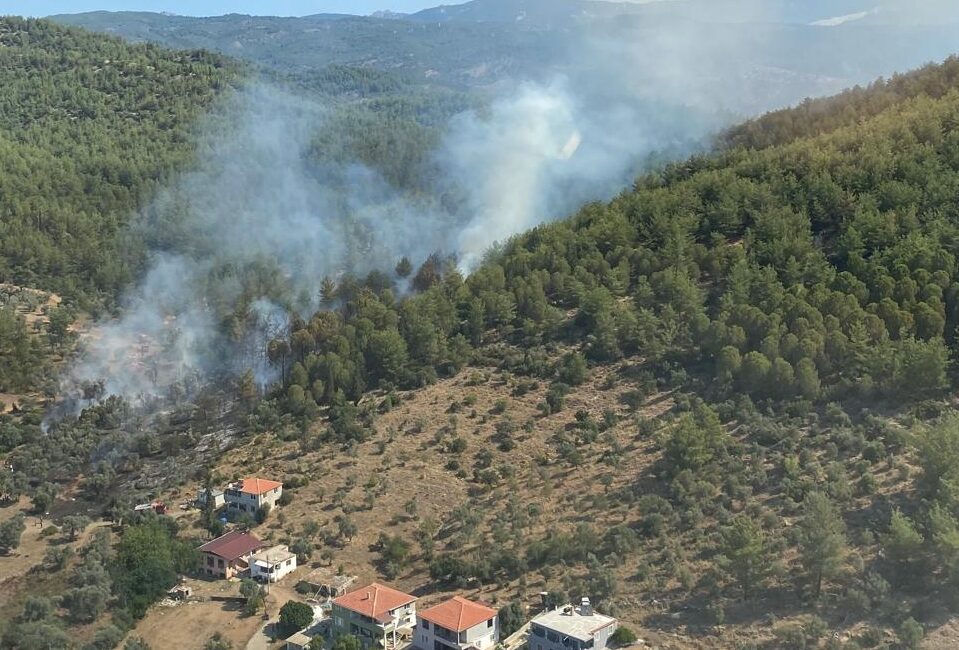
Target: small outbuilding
(301, 640)
(325, 583)
(219, 500)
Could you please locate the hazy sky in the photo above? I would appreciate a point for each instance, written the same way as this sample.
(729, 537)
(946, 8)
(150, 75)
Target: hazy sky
(216, 7)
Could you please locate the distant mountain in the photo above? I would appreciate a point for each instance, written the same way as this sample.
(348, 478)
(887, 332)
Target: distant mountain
(464, 54)
(389, 15)
(526, 13)
(785, 49)
(821, 13)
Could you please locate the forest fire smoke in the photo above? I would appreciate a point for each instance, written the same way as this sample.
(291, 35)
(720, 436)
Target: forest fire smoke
(244, 240)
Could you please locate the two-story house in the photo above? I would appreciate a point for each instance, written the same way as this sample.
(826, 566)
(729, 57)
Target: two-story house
(251, 494)
(272, 564)
(571, 628)
(457, 624)
(229, 554)
(377, 615)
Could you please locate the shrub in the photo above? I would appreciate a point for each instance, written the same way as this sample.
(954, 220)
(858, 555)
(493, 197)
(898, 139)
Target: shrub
(573, 369)
(911, 634)
(218, 642)
(556, 398)
(294, 616)
(10, 532)
(791, 638)
(106, 638)
(49, 531)
(871, 637)
(345, 642)
(623, 636)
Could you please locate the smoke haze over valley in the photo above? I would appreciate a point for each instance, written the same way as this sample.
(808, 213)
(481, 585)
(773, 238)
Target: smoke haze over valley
(250, 233)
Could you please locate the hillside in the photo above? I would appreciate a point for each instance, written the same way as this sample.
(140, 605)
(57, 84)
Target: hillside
(719, 404)
(89, 126)
(453, 55)
(485, 43)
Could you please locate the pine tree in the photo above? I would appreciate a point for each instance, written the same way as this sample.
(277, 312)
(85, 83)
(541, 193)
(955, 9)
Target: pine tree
(822, 540)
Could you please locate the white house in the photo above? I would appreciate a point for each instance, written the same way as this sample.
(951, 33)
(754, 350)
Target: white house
(272, 564)
(457, 624)
(251, 494)
(571, 628)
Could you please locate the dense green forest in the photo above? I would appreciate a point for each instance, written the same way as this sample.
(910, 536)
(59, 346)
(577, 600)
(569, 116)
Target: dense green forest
(89, 128)
(819, 269)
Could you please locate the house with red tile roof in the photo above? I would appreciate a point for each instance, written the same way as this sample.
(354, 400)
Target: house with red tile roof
(457, 624)
(229, 554)
(379, 616)
(251, 494)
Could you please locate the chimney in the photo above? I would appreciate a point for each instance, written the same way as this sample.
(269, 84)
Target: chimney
(585, 607)
(543, 596)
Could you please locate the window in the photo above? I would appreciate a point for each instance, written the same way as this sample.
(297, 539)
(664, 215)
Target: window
(489, 623)
(219, 563)
(426, 624)
(209, 560)
(538, 631)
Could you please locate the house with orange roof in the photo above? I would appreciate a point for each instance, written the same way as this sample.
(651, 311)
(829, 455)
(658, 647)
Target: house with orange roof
(379, 616)
(251, 494)
(457, 624)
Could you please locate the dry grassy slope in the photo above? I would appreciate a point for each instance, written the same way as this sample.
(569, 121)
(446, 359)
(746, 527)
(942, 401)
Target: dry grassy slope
(407, 457)
(22, 574)
(411, 463)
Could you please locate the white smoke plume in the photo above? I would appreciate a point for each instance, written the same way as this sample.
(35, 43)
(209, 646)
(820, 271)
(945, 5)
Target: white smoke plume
(539, 152)
(255, 202)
